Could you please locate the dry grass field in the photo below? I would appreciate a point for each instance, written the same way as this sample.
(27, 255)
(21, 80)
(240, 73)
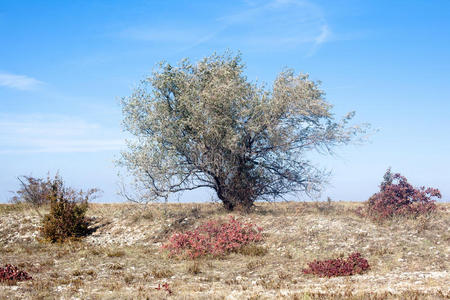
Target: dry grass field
(123, 259)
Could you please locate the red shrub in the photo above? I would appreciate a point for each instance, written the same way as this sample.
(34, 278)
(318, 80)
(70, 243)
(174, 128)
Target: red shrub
(12, 273)
(398, 197)
(354, 264)
(213, 238)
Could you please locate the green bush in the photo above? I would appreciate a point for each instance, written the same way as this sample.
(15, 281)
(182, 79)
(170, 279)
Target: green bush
(67, 217)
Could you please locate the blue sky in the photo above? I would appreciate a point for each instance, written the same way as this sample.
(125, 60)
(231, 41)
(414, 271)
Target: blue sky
(64, 65)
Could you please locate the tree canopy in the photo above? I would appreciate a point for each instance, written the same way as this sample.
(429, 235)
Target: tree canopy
(206, 125)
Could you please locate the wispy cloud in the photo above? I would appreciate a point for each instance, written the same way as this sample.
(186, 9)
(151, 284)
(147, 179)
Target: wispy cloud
(20, 82)
(262, 26)
(280, 24)
(323, 36)
(37, 133)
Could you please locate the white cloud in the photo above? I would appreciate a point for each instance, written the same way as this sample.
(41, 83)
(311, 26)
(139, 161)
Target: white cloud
(323, 36)
(20, 82)
(268, 26)
(280, 24)
(37, 133)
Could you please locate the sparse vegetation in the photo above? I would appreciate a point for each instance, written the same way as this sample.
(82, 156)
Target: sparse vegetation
(407, 259)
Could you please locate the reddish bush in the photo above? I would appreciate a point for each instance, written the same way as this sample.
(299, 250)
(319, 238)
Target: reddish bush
(12, 273)
(398, 197)
(354, 264)
(213, 238)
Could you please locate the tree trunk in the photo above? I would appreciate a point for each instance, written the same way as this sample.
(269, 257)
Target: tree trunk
(236, 189)
(236, 195)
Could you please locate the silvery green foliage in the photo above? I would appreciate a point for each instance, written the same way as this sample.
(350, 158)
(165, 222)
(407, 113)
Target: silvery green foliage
(205, 125)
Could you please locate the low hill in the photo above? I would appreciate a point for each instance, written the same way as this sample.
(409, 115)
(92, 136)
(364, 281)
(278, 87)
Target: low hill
(123, 258)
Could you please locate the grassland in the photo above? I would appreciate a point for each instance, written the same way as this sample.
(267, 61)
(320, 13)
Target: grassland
(123, 259)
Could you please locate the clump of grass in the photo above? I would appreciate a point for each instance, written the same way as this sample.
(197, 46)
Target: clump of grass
(325, 207)
(88, 272)
(129, 278)
(115, 266)
(115, 253)
(255, 264)
(253, 250)
(7, 208)
(95, 251)
(162, 273)
(145, 214)
(194, 268)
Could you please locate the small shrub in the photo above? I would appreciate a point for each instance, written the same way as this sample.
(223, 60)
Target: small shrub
(10, 273)
(67, 217)
(213, 238)
(34, 191)
(398, 197)
(354, 264)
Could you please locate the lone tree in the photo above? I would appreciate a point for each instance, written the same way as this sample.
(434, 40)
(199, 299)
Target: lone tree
(205, 125)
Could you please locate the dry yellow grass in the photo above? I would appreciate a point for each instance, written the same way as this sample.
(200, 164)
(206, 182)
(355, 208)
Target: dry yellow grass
(123, 259)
